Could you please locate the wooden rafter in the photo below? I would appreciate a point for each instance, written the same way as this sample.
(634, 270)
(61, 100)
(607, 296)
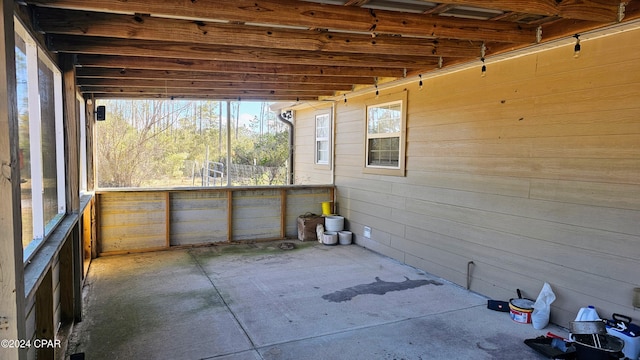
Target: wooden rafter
(83, 73)
(286, 49)
(136, 62)
(186, 51)
(54, 21)
(312, 15)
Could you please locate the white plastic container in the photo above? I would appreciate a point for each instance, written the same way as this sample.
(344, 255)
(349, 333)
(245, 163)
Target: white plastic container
(334, 223)
(344, 237)
(631, 338)
(330, 238)
(588, 313)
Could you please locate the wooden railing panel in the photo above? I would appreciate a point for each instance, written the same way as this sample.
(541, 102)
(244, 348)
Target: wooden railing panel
(143, 220)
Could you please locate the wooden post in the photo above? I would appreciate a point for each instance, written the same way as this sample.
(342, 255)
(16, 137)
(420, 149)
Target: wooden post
(229, 215)
(72, 133)
(167, 208)
(12, 301)
(90, 130)
(283, 213)
(45, 329)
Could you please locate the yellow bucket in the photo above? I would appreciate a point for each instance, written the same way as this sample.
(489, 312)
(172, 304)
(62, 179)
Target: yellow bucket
(327, 207)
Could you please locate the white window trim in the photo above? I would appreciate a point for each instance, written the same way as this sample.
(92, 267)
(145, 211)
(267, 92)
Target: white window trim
(327, 139)
(40, 228)
(387, 170)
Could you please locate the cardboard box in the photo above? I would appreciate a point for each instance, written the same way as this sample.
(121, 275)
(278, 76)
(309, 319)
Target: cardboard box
(307, 226)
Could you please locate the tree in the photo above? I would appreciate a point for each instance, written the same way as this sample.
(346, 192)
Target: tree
(149, 143)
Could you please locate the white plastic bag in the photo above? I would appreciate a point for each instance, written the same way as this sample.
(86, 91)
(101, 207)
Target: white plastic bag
(542, 307)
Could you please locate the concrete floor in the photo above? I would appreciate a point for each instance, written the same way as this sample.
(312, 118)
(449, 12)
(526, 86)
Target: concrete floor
(256, 301)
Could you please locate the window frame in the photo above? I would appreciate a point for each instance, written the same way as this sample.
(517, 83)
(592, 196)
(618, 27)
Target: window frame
(328, 139)
(398, 170)
(42, 227)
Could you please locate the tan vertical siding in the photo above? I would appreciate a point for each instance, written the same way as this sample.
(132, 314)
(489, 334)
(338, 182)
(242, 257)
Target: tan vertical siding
(532, 173)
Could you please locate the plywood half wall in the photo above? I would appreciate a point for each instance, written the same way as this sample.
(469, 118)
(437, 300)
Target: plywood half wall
(138, 220)
(532, 172)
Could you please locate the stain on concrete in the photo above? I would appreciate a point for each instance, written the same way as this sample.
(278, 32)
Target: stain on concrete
(378, 287)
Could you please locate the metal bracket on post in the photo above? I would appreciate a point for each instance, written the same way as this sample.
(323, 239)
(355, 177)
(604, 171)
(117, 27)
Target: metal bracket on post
(621, 9)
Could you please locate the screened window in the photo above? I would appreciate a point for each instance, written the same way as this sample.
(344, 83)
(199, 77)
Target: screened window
(323, 133)
(385, 136)
(41, 144)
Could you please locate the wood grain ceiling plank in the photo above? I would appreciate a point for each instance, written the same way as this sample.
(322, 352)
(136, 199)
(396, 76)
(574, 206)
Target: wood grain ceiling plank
(132, 74)
(312, 15)
(135, 62)
(164, 49)
(70, 22)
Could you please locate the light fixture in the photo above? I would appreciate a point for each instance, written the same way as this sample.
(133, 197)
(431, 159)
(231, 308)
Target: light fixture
(345, 98)
(420, 82)
(483, 51)
(576, 48)
(377, 91)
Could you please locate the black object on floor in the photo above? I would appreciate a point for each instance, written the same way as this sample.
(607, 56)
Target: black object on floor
(498, 305)
(78, 356)
(551, 348)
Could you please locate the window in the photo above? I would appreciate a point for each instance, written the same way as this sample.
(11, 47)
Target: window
(385, 136)
(41, 139)
(323, 137)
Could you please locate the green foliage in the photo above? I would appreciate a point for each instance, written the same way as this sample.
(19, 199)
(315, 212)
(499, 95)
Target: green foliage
(156, 143)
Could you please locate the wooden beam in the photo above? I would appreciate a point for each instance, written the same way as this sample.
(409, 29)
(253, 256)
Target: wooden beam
(12, 300)
(206, 96)
(283, 213)
(54, 21)
(594, 10)
(137, 62)
(187, 84)
(167, 49)
(72, 134)
(311, 15)
(170, 75)
(212, 92)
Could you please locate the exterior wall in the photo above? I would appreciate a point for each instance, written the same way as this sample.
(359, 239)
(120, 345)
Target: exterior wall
(532, 173)
(305, 169)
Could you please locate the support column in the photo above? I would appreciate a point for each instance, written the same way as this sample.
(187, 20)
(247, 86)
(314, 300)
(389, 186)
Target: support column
(12, 302)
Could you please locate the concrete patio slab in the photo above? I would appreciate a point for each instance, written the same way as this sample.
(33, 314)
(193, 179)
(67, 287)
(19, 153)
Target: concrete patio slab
(257, 301)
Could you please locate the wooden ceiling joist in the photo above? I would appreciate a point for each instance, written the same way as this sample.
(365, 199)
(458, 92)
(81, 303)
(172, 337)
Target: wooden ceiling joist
(206, 96)
(166, 49)
(150, 63)
(218, 85)
(292, 49)
(134, 74)
(310, 15)
(195, 92)
(54, 21)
